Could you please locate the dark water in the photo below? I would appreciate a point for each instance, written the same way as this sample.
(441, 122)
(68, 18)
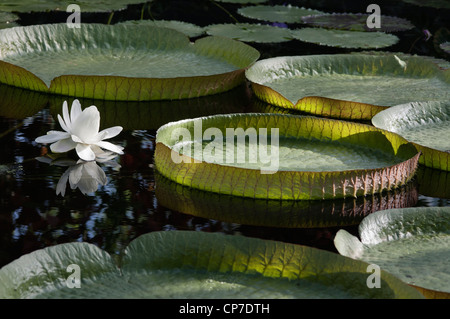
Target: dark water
(136, 200)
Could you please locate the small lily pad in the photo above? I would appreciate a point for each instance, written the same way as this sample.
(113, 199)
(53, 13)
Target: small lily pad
(445, 47)
(59, 5)
(426, 124)
(277, 13)
(438, 4)
(189, 29)
(410, 243)
(345, 39)
(250, 32)
(8, 20)
(357, 22)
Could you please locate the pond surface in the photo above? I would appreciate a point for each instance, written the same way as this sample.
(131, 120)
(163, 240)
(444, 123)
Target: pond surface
(136, 200)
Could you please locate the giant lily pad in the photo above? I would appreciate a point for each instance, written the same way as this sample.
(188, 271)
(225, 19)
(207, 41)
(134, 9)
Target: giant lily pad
(315, 158)
(410, 243)
(426, 124)
(345, 39)
(251, 32)
(186, 264)
(120, 62)
(276, 213)
(350, 86)
(277, 13)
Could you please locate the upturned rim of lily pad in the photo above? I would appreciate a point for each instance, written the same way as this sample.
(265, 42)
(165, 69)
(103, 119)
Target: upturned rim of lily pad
(192, 264)
(395, 65)
(32, 41)
(393, 229)
(416, 115)
(286, 184)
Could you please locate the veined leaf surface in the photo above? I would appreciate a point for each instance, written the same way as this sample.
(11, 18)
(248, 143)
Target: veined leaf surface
(316, 158)
(120, 62)
(187, 264)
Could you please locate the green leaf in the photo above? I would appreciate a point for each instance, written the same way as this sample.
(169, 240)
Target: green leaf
(59, 5)
(338, 158)
(410, 243)
(357, 22)
(189, 29)
(251, 32)
(433, 182)
(186, 264)
(8, 20)
(277, 13)
(157, 64)
(439, 4)
(345, 39)
(426, 125)
(348, 86)
(276, 213)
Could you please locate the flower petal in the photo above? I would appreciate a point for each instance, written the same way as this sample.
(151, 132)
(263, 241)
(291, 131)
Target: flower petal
(75, 175)
(75, 111)
(52, 136)
(84, 152)
(66, 117)
(63, 146)
(110, 146)
(61, 186)
(87, 124)
(95, 172)
(111, 132)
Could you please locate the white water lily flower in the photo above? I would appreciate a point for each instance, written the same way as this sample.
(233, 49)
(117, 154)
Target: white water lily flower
(81, 133)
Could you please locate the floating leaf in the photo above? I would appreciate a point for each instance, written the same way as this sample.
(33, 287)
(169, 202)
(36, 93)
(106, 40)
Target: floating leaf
(410, 243)
(426, 124)
(157, 64)
(357, 22)
(433, 183)
(276, 213)
(59, 5)
(189, 29)
(348, 86)
(345, 39)
(187, 264)
(277, 13)
(242, 1)
(445, 47)
(338, 159)
(250, 32)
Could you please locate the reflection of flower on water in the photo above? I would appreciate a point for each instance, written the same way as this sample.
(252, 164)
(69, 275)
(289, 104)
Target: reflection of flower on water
(81, 133)
(86, 175)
